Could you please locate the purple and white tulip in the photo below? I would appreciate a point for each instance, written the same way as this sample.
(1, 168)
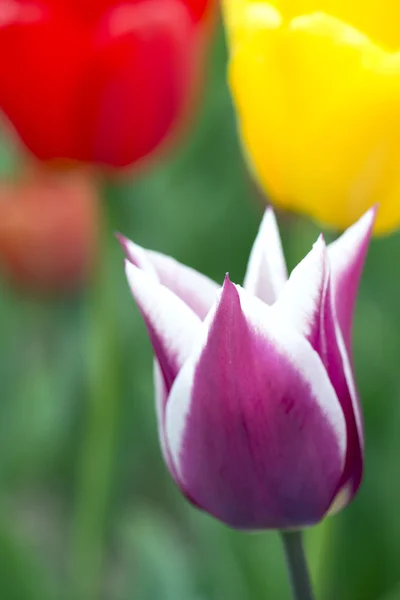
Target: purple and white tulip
(259, 419)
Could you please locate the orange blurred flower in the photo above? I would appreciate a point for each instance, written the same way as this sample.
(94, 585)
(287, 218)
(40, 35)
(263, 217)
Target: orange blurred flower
(49, 225)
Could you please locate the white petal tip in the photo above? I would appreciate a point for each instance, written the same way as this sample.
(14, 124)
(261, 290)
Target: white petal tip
(366, 222)
(137, 255)
(320, 244)
(125, 243)
(269, 218)
(266, 270)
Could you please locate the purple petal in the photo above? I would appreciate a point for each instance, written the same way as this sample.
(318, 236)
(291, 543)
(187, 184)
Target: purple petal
(307, 301)
(194, 288)
(347, 256)
(333, 352)
(266, 270)
(173, 327)
(253, 424)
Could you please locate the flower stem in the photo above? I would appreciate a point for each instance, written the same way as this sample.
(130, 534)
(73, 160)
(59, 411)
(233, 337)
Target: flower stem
(97, 457)
(297, 565)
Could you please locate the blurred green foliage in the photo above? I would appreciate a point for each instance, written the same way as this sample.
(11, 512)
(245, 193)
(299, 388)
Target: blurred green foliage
(88, 510)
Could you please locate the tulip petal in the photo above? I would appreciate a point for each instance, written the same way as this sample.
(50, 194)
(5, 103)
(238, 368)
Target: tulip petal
(161, 397)
(194, 288)
(36, 94)
(302, 296)
(149, 42)
(198, 8)
(310, 304)
(137, 255)
(334, 355)
(347, 256)
(253, 424)
(377, 20)
(319, 111)
(173, 327)
(266, 272)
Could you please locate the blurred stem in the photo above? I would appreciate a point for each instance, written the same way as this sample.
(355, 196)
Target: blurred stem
(97, 456)
(297, 565)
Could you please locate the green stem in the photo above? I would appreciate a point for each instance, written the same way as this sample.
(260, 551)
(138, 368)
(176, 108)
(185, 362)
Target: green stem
(297, 565)
(97, 455)
(321, 539)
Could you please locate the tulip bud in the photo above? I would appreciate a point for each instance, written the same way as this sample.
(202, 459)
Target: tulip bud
(106, 82)
(316, 86)
(48, 231)
(257, 407)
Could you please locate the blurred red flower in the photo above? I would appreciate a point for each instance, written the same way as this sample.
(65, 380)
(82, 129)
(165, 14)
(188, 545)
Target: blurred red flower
(49, 227)
(99, 81)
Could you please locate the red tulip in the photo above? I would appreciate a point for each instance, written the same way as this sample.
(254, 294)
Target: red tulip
(48, 231)
(98, 81)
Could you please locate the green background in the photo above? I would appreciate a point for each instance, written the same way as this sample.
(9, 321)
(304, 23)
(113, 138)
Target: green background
(87, 509)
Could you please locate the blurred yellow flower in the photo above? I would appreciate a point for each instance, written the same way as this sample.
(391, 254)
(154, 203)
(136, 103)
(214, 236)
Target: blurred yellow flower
(316, 84)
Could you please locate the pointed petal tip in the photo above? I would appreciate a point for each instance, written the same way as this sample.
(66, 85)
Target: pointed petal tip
(269, 212)
(123, 241)
(374, 208)
(228, 286)
(266, 272)
(355, 240)
(371, 215)
(347, 256)
(367, 221)
(269, 218)
(320, 243)
(227, 297)
(136, 255)
(318, 252)
(227, 279)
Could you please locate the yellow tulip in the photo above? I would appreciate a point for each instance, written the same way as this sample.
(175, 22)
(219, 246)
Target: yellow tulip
(316, 85)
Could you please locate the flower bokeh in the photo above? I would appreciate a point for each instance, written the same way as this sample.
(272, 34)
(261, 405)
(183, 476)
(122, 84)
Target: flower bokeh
(49, 230)
(316, 85)
(100, 82)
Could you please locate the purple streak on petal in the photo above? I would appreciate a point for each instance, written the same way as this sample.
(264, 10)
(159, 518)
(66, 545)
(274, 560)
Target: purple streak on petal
(253, 424)
(173, 327)
(198, 291)
(347, 256)
(266, 270)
